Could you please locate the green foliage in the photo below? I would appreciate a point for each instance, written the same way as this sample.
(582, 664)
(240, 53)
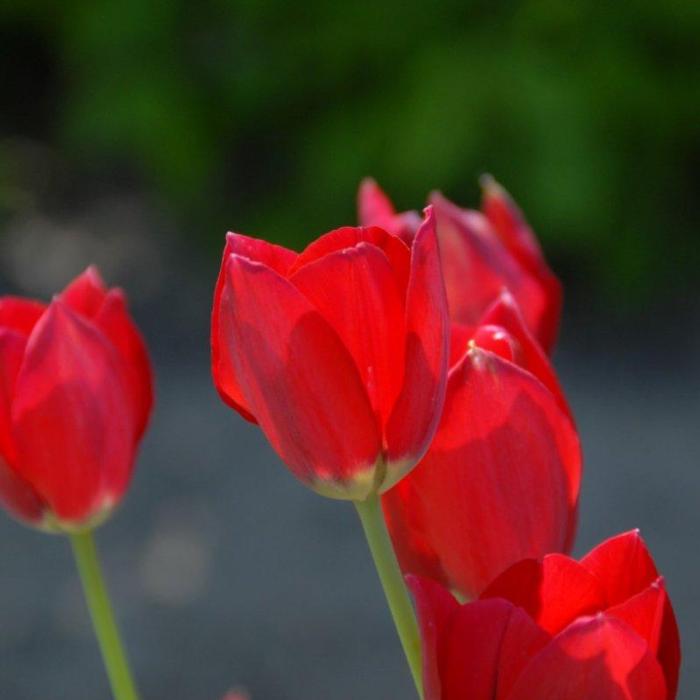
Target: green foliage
(263, 116)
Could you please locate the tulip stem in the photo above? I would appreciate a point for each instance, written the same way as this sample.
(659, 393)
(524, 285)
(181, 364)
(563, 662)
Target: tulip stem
(370, 512)
(103, 621)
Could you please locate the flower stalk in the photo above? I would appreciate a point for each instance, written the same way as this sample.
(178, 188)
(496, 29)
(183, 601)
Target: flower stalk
(113, 655)
(395, 590)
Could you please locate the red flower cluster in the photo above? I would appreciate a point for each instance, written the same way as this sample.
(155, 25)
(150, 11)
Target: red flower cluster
(340, 354)
(75, 397)
(407, 358)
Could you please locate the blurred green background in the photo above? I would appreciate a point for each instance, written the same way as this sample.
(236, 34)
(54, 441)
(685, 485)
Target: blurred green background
(263, 117)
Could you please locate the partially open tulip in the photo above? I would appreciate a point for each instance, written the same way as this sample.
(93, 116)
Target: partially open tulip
(339, 353)
(482, 253)
(500, 481)
(601, 628)
(75, 397)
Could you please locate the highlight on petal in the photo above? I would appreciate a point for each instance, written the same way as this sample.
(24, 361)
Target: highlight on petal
(276, 258)
(595, 657)
(417, 411)
(72, 427)
(494, 486)
(299, 381)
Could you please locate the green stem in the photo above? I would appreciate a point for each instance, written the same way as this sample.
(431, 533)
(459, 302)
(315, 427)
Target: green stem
(102, 616)
(370, 512)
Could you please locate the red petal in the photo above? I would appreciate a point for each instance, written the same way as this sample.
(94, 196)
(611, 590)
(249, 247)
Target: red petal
(15, 495)
(599, 658)
(505, 217)
(373, 205)
(504, 312)
(73, 431)
(356, 292)
(86, 293)
(114, 321)
(417, 411)
(623, 565)
(299, 381)
(471, 651)
(20, 314)
(494, 486)
(275, 257)
(478, 266)
(12, 344)
(554, 591)
(651, 616)
(375, 209)
(348, 237)
(435, 609)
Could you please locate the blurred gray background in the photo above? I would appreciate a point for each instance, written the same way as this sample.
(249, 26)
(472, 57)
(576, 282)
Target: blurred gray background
(134, 134)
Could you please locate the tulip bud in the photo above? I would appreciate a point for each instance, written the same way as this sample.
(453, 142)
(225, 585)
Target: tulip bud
(482, 253)
(339, 353)
(602, 627)
(75, 397)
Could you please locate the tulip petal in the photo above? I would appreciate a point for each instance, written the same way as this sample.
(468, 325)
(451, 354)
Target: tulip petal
(554, 591)
(86, 293)
(395, 250)
(376, 209)
(435, 608)
(356, 292)
(651, 615)
(16, 496)
(72, 427)
(417, 411)
(114, 321)
(12, 344)
(299, 381)
(623, 565)
(20, 314)
(473, 651)
(505, 312)
(276, 258)
(494, 485)
(595, 657)
(373, 205)
(543, 309)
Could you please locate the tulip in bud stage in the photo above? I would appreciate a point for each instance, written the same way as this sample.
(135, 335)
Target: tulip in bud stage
(75, 397)
(482, 253)
(555, 629)
(339, 353)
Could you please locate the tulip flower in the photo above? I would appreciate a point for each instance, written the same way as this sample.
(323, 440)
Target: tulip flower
(482, 253)
(75, 397)
(500, 481)
(339, 353)
(555, 629)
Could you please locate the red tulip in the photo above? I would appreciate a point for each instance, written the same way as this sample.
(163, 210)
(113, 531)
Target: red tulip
(75, 397)
(482, 253)
(555, 629)
(339, 353)
(500, 481)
